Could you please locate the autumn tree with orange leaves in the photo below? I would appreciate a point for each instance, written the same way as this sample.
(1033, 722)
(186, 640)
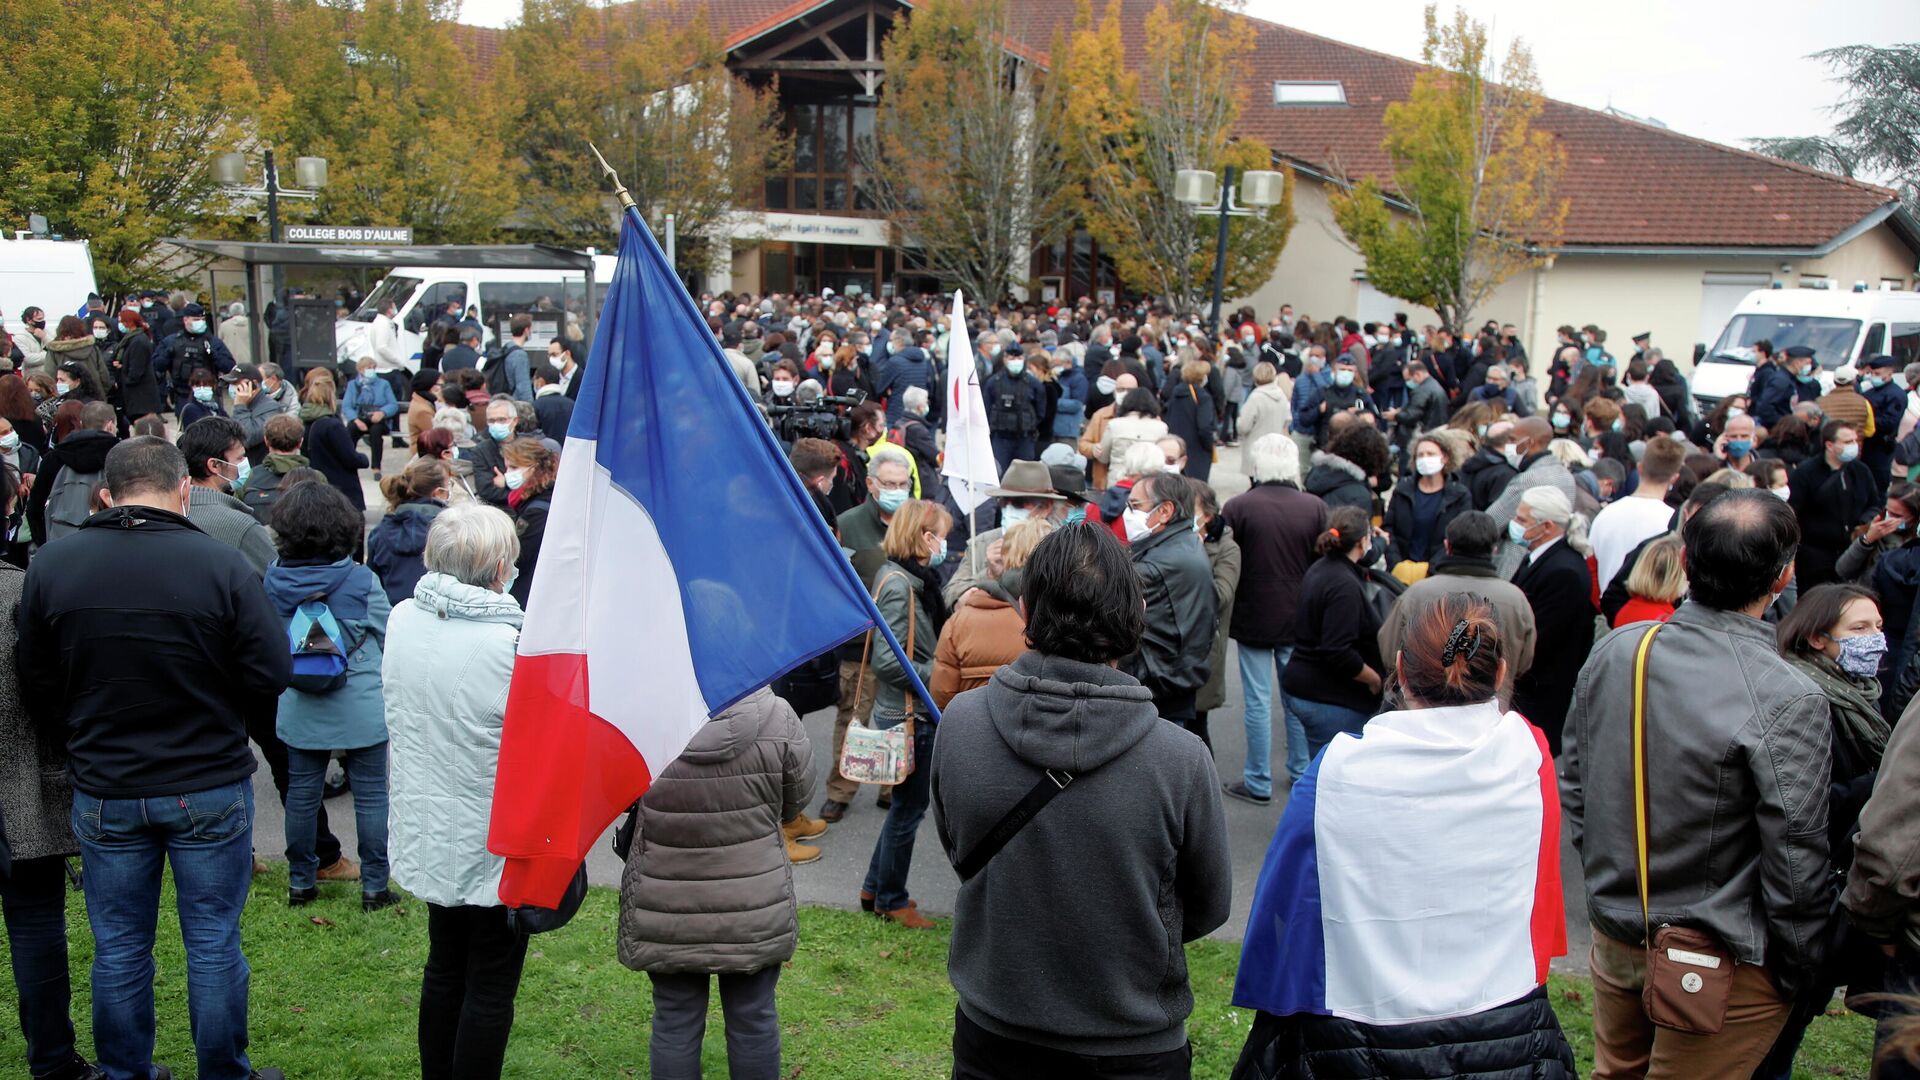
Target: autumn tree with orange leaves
(1135, 126)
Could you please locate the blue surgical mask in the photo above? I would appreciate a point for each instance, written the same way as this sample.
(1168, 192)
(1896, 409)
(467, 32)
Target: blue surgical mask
(1561, 421)
(1805, 376)
(1739, 447)
(513, 575)
(241, 470)
(1013, 515)
(1016, 366)
(1076, 515)
(203, 394)
(1849, 452)
(891, 501)
(1860, 656)
(515, 478)
(196, 326)
(1517, 532)
(500, 432)
(1619, 424)
(1343, 378)
(1868, 382)
(939, 554)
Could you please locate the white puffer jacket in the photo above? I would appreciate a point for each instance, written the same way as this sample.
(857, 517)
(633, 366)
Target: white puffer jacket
(448, 663)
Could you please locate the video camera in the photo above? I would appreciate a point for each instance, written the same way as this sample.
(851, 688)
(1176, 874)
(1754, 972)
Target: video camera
(813, 415)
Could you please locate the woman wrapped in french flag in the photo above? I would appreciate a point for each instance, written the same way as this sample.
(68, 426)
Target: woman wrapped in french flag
(1410, 900)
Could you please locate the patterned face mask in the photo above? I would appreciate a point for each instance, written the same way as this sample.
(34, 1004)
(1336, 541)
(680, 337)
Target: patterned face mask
(1861, 655)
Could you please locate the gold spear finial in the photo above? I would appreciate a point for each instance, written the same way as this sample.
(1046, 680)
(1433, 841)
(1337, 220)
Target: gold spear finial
(619, 189)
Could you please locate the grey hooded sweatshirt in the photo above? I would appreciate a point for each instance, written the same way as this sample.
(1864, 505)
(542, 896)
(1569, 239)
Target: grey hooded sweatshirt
(1071, 937)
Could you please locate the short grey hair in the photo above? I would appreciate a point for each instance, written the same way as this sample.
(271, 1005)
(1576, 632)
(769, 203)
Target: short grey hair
(528, 419)
(1275, 457)
(893, 455)
(271, 370)
(1143, 459)
(470, 542)
(900, 338)
(915, 398)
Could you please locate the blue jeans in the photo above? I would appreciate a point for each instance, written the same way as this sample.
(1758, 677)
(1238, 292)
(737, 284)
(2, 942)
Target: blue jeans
(34, 902)
(207, 837)
(306, 784)
(1258, 674)
(1323, 721)
(893, 851)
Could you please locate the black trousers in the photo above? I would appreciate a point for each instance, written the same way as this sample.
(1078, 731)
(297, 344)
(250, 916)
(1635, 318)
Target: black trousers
(474, 961)
(1177, 706)
(376, 437)
(262, 730)
(34, 901)
(979, 1054)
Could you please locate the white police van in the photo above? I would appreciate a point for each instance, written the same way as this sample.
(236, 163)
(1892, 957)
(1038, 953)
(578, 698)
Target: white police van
(495, 294)
(52, 275)
(1840, 328)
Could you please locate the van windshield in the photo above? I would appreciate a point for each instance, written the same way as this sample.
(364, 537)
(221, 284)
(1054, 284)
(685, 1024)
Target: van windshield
(395, 287)
(1830, 339)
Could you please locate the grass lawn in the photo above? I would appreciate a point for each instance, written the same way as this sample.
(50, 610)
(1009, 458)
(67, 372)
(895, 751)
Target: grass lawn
(335, 994)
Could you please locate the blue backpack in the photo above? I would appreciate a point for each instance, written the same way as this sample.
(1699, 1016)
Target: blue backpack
(319, 645)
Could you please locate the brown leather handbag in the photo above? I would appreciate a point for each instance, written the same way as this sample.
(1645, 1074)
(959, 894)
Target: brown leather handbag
(1689, 973)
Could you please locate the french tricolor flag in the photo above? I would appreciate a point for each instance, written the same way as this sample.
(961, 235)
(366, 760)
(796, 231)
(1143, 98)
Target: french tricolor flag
(1414, 876)
(683, 567)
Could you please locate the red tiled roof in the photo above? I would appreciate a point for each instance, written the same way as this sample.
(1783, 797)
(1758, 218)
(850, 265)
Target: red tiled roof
(1628, 183)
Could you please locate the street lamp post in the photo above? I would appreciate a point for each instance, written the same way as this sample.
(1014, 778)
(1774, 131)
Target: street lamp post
(1207, 194)
(230, 172)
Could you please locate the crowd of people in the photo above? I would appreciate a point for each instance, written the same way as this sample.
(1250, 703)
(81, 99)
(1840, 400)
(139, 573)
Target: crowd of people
(1486, 588)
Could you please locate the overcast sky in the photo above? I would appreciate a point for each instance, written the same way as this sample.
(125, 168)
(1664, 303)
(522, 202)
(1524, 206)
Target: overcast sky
(1720, 69)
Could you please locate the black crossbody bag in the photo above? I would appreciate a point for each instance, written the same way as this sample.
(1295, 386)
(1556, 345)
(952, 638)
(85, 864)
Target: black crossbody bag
(1052, 782)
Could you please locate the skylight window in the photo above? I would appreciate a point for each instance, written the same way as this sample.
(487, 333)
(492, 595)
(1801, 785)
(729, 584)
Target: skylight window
(1302, 92)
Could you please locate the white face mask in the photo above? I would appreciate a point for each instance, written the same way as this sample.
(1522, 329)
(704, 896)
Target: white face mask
(1428, 466)
(1785, 493)
(1136, 525)
(782, 388)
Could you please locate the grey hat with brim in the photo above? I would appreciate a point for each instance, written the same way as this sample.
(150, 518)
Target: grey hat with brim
(1026, 480)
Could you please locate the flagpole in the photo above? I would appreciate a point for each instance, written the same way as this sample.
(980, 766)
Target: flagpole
(793, 481)
(972, 527)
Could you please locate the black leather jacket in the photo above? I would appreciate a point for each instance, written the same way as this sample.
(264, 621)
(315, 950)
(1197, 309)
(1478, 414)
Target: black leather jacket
(1181, 613)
